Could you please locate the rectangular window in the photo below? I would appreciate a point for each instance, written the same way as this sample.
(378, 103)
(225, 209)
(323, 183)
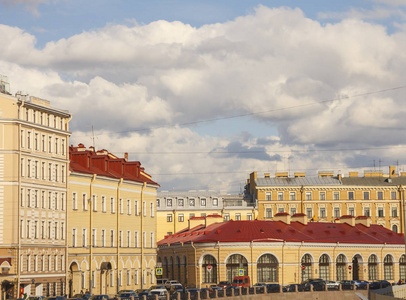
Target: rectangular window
(308, 195)
(128, 207)
(84, 202)
(181, 202)
(249, 216)
(112, 238)
(43, 171)
(192, 202)
(120, 238)
(350, 195)
(293, 211)
(394, 212)
(144, 208)
(152, 240)
(309, 213)
(202, 214)
(180, 218)
(268, 212)
(112, 206)
(94, 237)
(322, 195)
(351, 211)
(152, 209)
(62, 230)
(366, 195)
(49, 144)
(226, 217)
(43, 143)
(380, 195)
(215, 202)
(336, 212)
(144, 239)
(281, 210)
(121, 205)
(157, 203)
(136, 208)
(29, 167)
(393, 195)
(336, 195)
(380, 212)
(367, 212)
(28, 197)
(136, 239)
(168, 202)
(280, 196)
(63, 173)
(268, 196)
(128, 239)
(238, 217)
(103, 203)
(36, 142)
(103, 238)
(94, 202)
(191, 215)
(74, 237)
(63, 147)
(169, 218)
(323, 212)
(74, 201)
(203, 202)
(84, 237)
(292, 196)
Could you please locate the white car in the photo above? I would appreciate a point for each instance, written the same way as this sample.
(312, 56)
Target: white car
(159, 292)
(169, 283)
(332, 285)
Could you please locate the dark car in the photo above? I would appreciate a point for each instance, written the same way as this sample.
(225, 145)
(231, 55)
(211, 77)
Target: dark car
(292, 287)
(145, 293)
(347, 284)
(193, 293)
(236, 290)
(127, 296)
(55, 298)
(274, 288)
(79, 296)
(381, 284)
(224, 284)
(317, 284)
(259, 287)
(99, 297)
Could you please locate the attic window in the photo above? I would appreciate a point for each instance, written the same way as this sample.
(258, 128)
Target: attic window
(261, 230)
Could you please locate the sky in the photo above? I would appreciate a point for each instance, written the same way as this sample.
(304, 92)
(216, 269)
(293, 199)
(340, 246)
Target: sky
(203, 93)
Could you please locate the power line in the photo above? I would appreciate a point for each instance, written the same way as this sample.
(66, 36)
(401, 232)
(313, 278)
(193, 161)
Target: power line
(261, 112)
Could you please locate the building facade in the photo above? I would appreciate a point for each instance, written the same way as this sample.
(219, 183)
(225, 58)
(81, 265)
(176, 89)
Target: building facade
(287, 250)
(33, 191)
(112, 223)
(174, 209)
(327, 197)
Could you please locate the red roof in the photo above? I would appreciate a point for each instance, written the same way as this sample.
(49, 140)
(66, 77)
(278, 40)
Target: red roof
(266, 231)
(106, 164)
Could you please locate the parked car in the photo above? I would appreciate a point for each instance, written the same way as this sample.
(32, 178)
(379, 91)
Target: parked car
(175, 287)
(160, 292)
(224, 284)
(145, 293)
(259, 287)
(193, 293)
(161, 281)
(274, 288)
(169, 283)
(347, 284)
(98, 297)
(292, 287)
(243, 281)
(56, 298)
(36, 297)
(127, 296)
(233, 287)
(153, 287)
(76, 296)
(380, 284)
(117, 296)
(361, 284)
(318, 284)
(332, 285)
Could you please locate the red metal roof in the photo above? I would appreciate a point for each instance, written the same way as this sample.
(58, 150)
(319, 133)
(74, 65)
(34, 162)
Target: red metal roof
(106, 164)
(266, 231)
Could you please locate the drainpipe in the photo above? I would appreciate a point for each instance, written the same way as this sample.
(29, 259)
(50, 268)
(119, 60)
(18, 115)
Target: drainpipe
(252, 262)
(218, 267)
(142, 238)
(120, 182)
(197, 286)
(283, 261)
(301, 199)
(90, 231)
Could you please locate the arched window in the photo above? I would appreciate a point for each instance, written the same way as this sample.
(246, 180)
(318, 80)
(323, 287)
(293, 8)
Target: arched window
(209, 269)
(402, 267)
(341, 263)
(170, 268)
(177, 267)
(267, 268)
(388, 268)
(184, 265)
(395, 228)
(324, 267)
(306, 264)
(165, 267)
(373, 267)
(233, 265)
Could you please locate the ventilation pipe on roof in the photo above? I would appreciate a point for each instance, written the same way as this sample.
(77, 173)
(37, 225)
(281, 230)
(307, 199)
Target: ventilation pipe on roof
(366, 221)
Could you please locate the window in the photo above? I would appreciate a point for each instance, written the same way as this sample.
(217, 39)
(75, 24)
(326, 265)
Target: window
(152, 209)
(152, 239)
(366, 195)
(62, 230)
(323, 212)
(84, 202)
(292, 196)
(268, 212)
(192, 202)
(120, 238)
(36, 229)
(49, 144)
(169, 218)
(322, 195)
(63, 147)
(74, 237)
(157, 203)
(128, 207)
(128, 277)
(336, 195)
(309, 213)
(43, 171)
(215, 202)
(202, 214)
(203, 202)
(394, 212)
(112, 206)
(43, 203)
(22, 139)
(136, 207)
(136, 239)
(94, 237)
(56, 145)
(103, 203)
(112, 238)
(121, 206)
(128, 239)
(180, 202)
(192, 215)
(22, 167)
(36, 141)
(281, 210)
(94, 202)
(280, 196)
(308, 195)
(144, 208)
(350, 195)
(292, 211)
(169, 202)
(380, 195)
(29, 140)
(367, 212)
(28, 198)
(63, 173)
(144, 239)
(380, 212)
(351, 211)
(50, 172)
(226, 217)
(336, 212)
(393, 195)
(84, 237)
(43, 143)
(103, 237)
(268, 196)
(238, 217)
(180, 218)
(249, 216)
(29, 167)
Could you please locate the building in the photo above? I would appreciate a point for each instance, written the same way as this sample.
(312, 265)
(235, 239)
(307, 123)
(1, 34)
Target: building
(33, 189)
(174, 209)
(328, 196)
(286, 250)
(112, 223)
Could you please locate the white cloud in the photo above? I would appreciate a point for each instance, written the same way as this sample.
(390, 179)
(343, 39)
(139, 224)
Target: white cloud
(123, 78)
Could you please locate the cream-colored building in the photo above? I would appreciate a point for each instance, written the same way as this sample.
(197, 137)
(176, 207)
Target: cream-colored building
(33, 191)
(112, 223)
(286, 250)
(174, 209)
(328, 196)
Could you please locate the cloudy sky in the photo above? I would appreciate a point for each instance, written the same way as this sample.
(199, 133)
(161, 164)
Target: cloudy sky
(205, 92)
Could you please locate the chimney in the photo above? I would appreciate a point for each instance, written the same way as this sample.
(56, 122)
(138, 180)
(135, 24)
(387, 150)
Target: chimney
(348, 219)
(126, 156)
(302, 218)
(353, 174)
(340, 176)
(392, 171)
(195, 221)
(284, 217)
(266, 175)
(366, 221)
(300, 174)
(211, 219)
(91, 148)
(281, 174)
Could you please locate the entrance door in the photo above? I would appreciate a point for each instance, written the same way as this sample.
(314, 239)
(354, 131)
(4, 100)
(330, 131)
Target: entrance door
(355, 269)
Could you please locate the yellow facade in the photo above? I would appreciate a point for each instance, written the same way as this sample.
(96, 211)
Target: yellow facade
(33, 189)
(112, 234)
(282, 262)
(377, 195)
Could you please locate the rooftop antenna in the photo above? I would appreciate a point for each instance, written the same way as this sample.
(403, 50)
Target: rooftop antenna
(94, 144)
(380, 164)
(374, 165)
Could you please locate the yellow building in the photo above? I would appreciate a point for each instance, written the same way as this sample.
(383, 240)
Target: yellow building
(33, 189)
(174, 209)
(112, 223)
(287, 250)
(328, 196)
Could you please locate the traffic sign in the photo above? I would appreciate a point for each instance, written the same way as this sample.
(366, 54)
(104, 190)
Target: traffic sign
(349, 267)
(303, 267)
(209, 268)
(240, 272)
(158, 271)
